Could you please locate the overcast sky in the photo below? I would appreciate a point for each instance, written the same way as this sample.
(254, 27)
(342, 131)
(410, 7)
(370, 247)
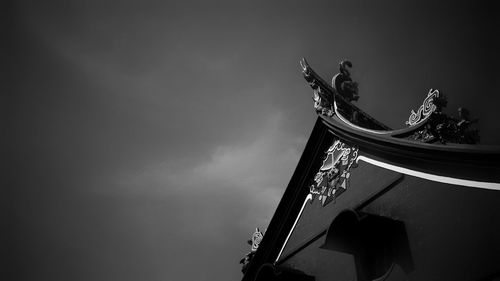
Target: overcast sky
(147, 139)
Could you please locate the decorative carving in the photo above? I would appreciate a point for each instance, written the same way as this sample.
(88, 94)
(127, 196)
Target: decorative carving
(333, 178)
(343, 83)
(323, 95)
(443, 128)
(425, 110)
(341, 93)
(323, 101)
(257, 237)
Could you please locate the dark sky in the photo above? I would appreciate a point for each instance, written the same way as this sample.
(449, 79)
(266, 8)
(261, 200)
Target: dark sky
(147, 139)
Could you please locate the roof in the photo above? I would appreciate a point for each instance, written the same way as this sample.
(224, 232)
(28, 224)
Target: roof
(427, 146)
(433, 146)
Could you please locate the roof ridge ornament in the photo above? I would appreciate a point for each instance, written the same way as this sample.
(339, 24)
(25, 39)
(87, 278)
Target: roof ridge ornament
(424, 111)
(339, 96)
(323, 100)
(324, 95)
(257, 237)
(439, 126)
(343, 82)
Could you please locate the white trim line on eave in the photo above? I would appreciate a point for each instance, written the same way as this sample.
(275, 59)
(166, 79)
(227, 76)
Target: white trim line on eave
(427, 176)
(432, 177)
(309, 197)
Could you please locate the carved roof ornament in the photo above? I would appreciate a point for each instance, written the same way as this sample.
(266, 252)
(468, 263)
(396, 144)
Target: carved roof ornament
(428, 124)
(439, 127)
(256, 239)
(323, 100)
(336, 98)
(425, 110)
(344, 84)
(254, 242)
(323, 95)
(333, 178)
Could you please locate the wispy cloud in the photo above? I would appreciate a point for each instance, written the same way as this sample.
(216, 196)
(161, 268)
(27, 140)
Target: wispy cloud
(253, 174)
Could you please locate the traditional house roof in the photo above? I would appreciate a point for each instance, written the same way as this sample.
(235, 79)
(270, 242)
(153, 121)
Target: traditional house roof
(434, 147)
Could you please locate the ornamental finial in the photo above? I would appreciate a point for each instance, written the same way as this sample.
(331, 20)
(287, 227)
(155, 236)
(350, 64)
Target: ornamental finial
(257, 237)
(426, 109)
(323, 97)
(439, 126)
(344, 84)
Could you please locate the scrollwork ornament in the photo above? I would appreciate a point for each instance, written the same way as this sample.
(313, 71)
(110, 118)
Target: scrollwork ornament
(425, 110)
(439, 127)
(257, 237)
(333, 178)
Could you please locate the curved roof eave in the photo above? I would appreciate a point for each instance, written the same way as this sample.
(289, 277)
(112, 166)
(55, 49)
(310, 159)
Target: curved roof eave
(395, 148)
(470, 162)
